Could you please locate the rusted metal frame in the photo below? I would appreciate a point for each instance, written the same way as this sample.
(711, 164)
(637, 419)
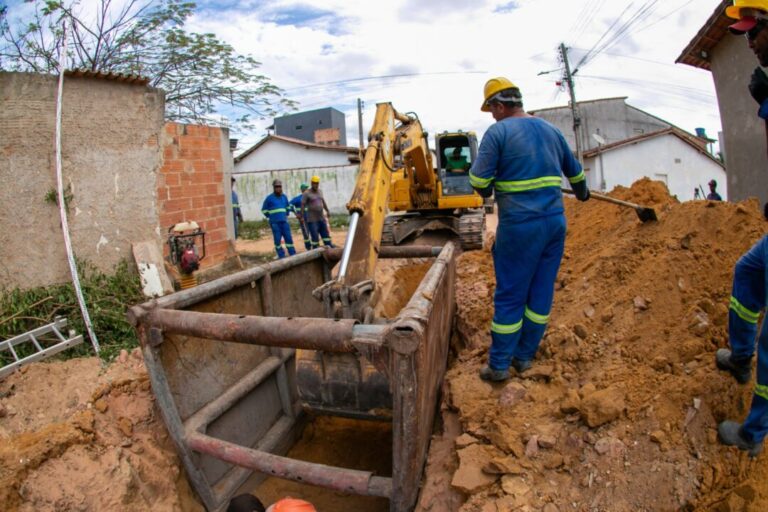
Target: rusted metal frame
(388, 251)
(265, 289)
(414, 378)
(164, 398)
(207, 414)
(332, 335)
(351, 481)
(186, 298)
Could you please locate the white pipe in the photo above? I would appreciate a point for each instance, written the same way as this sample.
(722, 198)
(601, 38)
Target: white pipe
(348, 245)
(62, 205)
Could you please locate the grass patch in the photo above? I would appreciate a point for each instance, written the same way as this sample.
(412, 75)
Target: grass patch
(107, 297)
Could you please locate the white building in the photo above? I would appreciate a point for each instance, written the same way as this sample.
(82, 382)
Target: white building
(670, 155)
(294, 162)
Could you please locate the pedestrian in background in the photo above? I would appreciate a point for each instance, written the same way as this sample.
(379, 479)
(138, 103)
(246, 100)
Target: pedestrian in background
(713, 195)
(296, 207)
(276, 208)
(238, 216)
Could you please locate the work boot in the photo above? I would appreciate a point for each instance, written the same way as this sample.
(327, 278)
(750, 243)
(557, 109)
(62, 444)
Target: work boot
(492, 375)
(521, 366)
(741, 371)
(729, 433)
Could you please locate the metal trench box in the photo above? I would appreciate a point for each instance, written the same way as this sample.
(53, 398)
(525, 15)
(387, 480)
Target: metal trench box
(222, 362)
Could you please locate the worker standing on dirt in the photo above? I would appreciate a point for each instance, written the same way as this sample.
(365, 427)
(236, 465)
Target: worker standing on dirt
(238, 215)
(296, 207)
(313, 205)
(276, 208)
(750, 277)
(713, 195)
(521, 159)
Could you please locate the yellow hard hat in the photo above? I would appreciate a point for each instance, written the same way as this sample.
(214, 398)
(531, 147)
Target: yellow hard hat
(734, 11)
(493, 86)
(315, 179)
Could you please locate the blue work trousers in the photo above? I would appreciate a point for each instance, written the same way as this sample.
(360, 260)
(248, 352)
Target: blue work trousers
(305, 234)
(319, 230)
(526, 258)
(748, 299)
(282, 231)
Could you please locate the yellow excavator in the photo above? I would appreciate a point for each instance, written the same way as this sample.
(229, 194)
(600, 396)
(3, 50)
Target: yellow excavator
(399, 192)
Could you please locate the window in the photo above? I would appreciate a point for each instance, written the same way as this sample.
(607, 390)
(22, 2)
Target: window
(662, 178)
(678, 161)
(299, 127)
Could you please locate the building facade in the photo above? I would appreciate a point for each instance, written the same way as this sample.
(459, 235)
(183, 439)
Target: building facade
(322, 126)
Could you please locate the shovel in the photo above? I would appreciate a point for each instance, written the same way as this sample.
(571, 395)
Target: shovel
(644, 213)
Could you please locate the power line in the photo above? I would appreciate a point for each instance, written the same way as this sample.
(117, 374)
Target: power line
(383, 77)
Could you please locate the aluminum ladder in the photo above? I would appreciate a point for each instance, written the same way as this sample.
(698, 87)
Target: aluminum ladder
(32, 336)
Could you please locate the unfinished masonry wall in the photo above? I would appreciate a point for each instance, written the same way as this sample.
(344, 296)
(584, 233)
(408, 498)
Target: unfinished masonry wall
(111, 156)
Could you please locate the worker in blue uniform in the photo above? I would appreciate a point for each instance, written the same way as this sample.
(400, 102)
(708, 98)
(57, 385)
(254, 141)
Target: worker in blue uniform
(750, 277)
(276, 208)
(521, 159)
(296, 209)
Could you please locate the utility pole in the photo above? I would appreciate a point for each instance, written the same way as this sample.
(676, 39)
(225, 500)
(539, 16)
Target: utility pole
(360, 124)
(574, 110)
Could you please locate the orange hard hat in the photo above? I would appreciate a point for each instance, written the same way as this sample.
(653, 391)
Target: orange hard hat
(293, 505)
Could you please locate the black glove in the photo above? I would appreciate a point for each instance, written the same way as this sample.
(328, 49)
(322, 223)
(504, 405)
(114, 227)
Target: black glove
(485, 192)
(580, 190)
(758, 86)
(765, 211)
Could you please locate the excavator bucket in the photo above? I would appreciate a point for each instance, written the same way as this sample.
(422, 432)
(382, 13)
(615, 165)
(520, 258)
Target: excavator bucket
(222, 360)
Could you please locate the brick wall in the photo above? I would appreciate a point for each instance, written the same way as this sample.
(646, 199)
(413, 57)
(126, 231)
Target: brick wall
(191, 185)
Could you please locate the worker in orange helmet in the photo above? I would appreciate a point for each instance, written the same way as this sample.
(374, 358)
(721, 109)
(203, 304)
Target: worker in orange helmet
(292, 505)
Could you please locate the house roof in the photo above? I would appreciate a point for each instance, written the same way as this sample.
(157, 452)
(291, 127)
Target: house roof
(698, 51)
(686, 137)
(351, 151)
(623, 98)
(114, 77)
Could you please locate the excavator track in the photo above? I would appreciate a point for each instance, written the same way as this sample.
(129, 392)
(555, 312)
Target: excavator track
(387, 234)
(472, 230)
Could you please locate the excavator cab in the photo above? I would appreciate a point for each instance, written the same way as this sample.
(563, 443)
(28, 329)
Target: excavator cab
(455, 154)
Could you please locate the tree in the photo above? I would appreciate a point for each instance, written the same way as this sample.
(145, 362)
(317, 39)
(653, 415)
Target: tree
(200, 74)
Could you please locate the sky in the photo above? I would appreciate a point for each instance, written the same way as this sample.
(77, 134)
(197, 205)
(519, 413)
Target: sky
(449, 48)
(329, 53)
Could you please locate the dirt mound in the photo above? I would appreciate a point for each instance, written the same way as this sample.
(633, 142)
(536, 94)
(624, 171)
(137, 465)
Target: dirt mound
(620, 409)
(76, 436)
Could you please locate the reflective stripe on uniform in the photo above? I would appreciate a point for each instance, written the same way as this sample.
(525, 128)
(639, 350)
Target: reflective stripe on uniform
(535, 317)
(578, 178)
(745, 314)
(506, 328)
(761, 390)
(235, 205)
(277, 247)
(326, 239)
(526, 185)
(479, 182)
(289, 245)
(277, 210)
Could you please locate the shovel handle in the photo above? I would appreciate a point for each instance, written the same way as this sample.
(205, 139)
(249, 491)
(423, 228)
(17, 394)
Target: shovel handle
(607, 199)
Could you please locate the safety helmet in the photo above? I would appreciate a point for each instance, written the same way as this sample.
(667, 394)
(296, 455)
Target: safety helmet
(315, 179)
(304, 186)
(293, 505)
(495, 86)
(734, 11)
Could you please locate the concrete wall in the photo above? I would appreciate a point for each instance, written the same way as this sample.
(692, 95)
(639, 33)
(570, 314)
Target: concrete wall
(193, 185)
(744, 134)
(302, 125)
(276, 154)
(336, 184)
(612, 119)
(111, 157)
(665, 158)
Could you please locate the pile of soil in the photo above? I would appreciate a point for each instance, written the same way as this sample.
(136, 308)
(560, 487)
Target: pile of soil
(621, 407)
(77, 436)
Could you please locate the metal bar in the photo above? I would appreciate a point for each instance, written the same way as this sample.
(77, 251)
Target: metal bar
(185, 298)
(332, 335)
(13, 352)
(212, 410)
(390, 251)
(34, 341)
(58, 333)
(421, 300)
(351, 232)
(339, 479)
(55, 349)
(45, 329)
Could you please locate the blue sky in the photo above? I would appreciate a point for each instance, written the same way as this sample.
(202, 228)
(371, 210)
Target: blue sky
(331, 52)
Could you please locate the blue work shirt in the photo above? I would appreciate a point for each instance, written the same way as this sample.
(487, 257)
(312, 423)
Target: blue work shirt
(296, 205)
(235, 204)
(523, 159)
(276, 208)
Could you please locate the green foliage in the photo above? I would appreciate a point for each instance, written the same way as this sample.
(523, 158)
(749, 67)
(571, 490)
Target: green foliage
(253, 229)
(200, 74)
(52, 196)
(108, 297)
